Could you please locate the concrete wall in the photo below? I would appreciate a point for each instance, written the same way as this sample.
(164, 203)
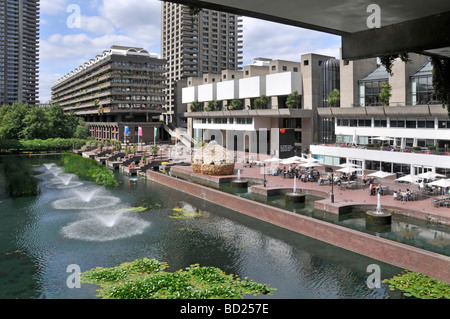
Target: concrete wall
(397, 254)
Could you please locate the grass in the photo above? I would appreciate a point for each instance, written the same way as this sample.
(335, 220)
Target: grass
(147, 279)
(88, 167)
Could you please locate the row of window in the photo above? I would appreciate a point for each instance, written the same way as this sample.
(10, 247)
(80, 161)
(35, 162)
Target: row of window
(224, 121)
(394, 122)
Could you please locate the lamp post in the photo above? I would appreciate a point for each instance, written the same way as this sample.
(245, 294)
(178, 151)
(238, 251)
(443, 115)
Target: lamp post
(264, 174)
(330, 170)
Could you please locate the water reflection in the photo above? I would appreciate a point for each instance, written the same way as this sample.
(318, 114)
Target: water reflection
(53, 238)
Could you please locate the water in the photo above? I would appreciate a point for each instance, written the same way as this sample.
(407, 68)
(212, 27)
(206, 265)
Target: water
(40, 239)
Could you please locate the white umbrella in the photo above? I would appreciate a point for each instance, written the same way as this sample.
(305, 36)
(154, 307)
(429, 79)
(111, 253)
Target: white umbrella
(380, 174)
(349, 165)
(310, 160)
(382, 138)
(441, 183)
(288, 161)
(430, 175)
(347, 170)
(274, 159)
(296, 158)
(408, 179)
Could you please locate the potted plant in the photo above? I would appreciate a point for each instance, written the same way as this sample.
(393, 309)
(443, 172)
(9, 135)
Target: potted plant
(294, 100)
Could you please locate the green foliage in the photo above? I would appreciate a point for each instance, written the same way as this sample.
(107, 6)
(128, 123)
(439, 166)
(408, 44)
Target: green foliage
(212, 106)
(419, 286)
(195, 106)
(154, 149)
(18, 179)
(385, 93)
(236, 104)
(334, 98)
(146, 279)
(294, 100)
(38, 145)
(441, 80)
(20, 121)
(388, 60)
(88, 167)
(261, 102)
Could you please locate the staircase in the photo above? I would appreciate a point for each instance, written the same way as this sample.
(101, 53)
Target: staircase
(180, 134)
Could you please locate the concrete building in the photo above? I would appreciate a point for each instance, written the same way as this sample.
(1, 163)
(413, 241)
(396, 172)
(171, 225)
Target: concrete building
(226, 103)
(408, 135)
(196, 43)
(122, 87)
(19, 59)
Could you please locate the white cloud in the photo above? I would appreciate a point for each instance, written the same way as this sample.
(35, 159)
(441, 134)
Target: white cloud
(53, 7)
(96, 25)
(278, 41)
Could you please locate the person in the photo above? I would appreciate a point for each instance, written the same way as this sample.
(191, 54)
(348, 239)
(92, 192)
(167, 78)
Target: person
(395, 195)
(408, 194)
(364, 180)
(371, 187)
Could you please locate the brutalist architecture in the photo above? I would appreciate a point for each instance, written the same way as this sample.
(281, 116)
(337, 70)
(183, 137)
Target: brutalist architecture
(118, 91)
(19, 51)
(195, 42)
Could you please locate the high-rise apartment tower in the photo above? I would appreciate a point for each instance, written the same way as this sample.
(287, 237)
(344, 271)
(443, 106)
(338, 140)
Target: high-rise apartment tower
(19, 21)
(194, 42)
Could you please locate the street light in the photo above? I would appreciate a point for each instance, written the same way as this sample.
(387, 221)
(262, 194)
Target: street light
(264, 174)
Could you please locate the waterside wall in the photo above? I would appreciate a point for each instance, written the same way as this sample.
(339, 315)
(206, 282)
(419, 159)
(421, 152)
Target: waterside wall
(397, 254)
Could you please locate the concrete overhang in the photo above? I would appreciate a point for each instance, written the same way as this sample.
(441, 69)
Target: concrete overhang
(418, 111)
(277, 113)
(406, 26)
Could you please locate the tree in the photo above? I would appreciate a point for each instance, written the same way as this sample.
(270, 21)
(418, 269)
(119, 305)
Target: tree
(261, 102)
(11, 120)
(212, 106)
(334, 98)
(294, 100)
(385, 93)
(236, 104)
(82, 130)
(35, 125)
(195, 106)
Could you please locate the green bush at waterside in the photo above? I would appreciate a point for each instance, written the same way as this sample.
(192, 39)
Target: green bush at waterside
(18, 179)
(146, 279)
(88, 167)
(38, 145)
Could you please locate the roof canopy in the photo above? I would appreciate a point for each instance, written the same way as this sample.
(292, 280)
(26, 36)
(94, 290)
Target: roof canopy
(405, 26)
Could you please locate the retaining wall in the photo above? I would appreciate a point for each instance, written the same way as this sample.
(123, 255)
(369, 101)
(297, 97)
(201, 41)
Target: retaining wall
(397, 254)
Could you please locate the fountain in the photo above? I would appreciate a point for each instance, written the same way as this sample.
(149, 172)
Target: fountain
(105, 226)
(65, 181)
(378, 217)
(294, 196)
(238, 183)
(86, 200)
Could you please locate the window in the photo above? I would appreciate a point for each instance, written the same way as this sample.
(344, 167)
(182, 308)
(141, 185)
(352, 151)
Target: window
(306, 62)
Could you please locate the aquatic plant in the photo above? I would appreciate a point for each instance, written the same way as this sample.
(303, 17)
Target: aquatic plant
(420, 286)
(146, 279)
(88, 167)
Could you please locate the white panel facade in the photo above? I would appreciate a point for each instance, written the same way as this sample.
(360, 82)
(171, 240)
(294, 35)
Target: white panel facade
(252, 87)
(207, 92)
(228, 90)
(284, 83)
(189, 94)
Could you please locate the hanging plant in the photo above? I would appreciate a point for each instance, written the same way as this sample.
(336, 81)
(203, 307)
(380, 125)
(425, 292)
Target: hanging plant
(388, 60)
(441, 80)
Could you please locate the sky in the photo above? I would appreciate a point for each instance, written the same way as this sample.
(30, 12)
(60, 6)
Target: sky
(67, 41)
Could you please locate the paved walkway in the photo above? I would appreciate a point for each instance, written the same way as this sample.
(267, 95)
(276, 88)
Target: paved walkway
(422, 208)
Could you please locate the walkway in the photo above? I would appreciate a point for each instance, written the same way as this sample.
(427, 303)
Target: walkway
(343, 198)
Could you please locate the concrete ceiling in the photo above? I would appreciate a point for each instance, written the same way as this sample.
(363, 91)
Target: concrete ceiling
(413, 26)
